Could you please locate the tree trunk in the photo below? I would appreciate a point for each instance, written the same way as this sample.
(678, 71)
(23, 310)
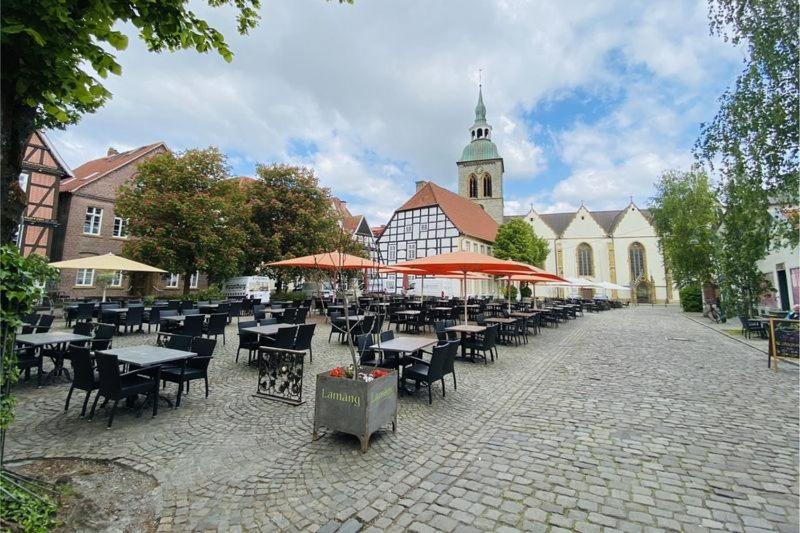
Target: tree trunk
(17, 123)
(186, 280)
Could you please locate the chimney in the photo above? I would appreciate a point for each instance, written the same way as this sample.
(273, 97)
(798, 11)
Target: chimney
(420, 184)
(111, 151)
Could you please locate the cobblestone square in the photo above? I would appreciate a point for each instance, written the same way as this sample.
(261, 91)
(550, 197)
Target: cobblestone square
(627, 420)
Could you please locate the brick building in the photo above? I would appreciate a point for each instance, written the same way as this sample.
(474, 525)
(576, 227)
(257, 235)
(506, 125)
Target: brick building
(88, 224)
(43, 170)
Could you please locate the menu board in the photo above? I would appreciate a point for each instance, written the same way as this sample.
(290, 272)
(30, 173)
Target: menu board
(784, 338)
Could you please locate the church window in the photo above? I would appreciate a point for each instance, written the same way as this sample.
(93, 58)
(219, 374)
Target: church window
(486, 132)
(487, 185)
(636, 257)
(473, 134)
(480, 133)
(585, 260)
(473, 186)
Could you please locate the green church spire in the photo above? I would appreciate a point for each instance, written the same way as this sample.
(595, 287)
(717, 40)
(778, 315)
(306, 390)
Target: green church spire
(480, 110)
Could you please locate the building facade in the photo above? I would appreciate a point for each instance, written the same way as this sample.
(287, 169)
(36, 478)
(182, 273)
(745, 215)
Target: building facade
(435, 221)
(616, 246)
(358, 228)
(43, 170)
(88, 224)
(781, 269)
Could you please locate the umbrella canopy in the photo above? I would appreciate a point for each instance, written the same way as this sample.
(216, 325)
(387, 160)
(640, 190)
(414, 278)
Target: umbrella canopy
(575, 282)
(612, 286)
(108, 261)
(537, 278)
(328, 261)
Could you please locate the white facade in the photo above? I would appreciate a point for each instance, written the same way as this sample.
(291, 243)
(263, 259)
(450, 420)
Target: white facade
(616, 246)
(781, 268)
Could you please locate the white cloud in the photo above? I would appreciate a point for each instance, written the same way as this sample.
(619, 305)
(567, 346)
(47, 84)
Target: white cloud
(386, 92)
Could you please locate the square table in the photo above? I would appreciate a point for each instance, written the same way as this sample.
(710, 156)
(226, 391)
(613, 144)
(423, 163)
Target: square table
(51, 337)
(409, 312)
(268, 330)
(148, 355)
(466, 329)
(524, 314)
(275, 311)
(403, 345)
(501, 320)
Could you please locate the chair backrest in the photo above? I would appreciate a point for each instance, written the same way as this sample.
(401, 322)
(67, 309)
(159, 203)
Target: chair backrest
(174, 304)
(109, 305)
(82, 367)
(334, 314)
(438, 361)
(259, 308)
(490, 337)
(27, 330)
(302, 313)
(192, 311)
(31, 318)
(134, 316)
(193, 325)
(480, 319)
(174, 342)
(82, 328)
(363, 343)
(45, 321)
(367, 323)
(285, 338)
(386, 336)
(267, 321)
(305, 333)
(85, 311)
(203, 347)
(154, 316)
(235, 309)
(217, 323)
(288, 315)
(223, 308)
(186, 304)
(104, 331)
(108, 368)
(248, 324)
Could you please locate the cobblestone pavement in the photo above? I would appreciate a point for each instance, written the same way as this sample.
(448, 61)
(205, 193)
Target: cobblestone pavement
(627, 420)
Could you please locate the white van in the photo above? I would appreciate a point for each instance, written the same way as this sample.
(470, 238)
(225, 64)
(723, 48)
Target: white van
(248, 287)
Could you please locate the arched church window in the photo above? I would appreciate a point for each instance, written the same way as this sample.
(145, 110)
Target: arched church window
(480, 133)
(486, 132)
(473, 186)
(585, 260)
(636, 256)
(473, 134)
(487, 185)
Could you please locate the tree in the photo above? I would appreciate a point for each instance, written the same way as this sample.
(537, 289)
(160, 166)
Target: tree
(517, 241)
(294, 216)
(53, 50)
(686, 215)
(745, 235)
(756, 130)
(182, 217)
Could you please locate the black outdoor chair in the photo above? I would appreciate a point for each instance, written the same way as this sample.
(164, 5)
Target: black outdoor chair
(117, 386)
(429, 372)
(28, 358)
(480, 319)
(367, 355)
(366, 325)
(174, 342)
(247, 341)
(338, 326)
(300, 317)
(192, 325)
(153, 318)
(85, 312)
(45, 321)
(216, 326)
(752, 326)
(288, 316)
(305, 332)
(103, 335)
(440, 327)
(283, 339)
(133, 318)
(235, 310)
(267, 321)
(167, 325)
(83, 328)
(192, 369)
(174, 305)
(191, 311)
(484, 343)
(83, 375)
(31, 318)
(185, 305)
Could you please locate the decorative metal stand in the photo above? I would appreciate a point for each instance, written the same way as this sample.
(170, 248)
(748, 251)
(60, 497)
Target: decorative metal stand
(280, 375)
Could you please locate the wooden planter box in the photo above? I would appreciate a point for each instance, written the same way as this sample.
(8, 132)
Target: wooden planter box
(356, 407)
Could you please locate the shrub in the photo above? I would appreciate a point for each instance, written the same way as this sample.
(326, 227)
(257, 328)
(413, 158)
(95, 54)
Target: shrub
(512, 288)
(526, 291)
(691, 298)
(293, 296)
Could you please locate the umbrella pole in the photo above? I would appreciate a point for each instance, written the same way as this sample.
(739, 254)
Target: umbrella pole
(508, 289)
(465, 298)
(104, 294)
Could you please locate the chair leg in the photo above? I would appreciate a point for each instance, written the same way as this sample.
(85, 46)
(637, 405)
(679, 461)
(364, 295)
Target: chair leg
(310, 355)
(69, 395)
(111, 416)
(430, 394)
(205, 378)
(180, 393)
(455, 386)
(94, 405)
(443, 392)
(85, 403)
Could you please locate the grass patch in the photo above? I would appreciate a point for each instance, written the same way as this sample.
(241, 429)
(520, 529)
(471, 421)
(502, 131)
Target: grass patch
(734, 332)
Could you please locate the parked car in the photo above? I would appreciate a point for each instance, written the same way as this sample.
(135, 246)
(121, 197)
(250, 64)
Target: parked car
(248, 287)
(314, 289)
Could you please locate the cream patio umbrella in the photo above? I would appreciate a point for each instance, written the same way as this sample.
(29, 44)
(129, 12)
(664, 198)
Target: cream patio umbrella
(107, 261)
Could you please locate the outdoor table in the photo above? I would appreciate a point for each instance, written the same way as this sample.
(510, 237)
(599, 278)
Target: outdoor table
(524, 314)
(146, 355)
(268, 330)
(466, 330)
(501, 320)
(38, 340)
(276, 311)
(282, 303)
(409, 312)
(404, 345)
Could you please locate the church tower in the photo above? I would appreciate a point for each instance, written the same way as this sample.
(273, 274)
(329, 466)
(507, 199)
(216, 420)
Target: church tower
(480, 169)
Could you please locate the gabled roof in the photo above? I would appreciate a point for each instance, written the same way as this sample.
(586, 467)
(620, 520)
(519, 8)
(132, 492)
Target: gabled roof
(378, 230)
(467, 216)
(50, 146)
(558, 222)
(92, 171)
(350, 222)
(608, 220)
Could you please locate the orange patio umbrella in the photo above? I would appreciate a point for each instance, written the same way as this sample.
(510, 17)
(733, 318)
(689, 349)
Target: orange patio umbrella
(465, 263)
(534, 271)
(533, 279)
(328, 261)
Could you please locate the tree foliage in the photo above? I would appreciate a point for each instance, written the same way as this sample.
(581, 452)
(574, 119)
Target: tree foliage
(686, 215)
(745, 236)
(756, 131)
(691, 298)
(56, 51)
(517, 241)
(185, 215)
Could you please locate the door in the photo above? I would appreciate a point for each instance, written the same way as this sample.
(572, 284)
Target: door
(643, 293)
(783, 289)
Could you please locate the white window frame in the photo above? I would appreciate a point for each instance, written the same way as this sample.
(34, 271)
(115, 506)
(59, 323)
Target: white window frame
(97, 216)
(423, 226)
(408, 229)
(411, 251)
(121, 224)
(116, 281)
(392, 252)
(24, 180)
(81, 277)
(173, 281)
(465, 246)
(194, 279)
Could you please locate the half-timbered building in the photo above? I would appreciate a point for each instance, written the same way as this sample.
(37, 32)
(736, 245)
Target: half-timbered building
(436, 221)
(42, 173)
(357, 227)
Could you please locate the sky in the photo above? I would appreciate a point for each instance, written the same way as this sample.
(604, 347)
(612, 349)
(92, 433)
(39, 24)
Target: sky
(589, 101)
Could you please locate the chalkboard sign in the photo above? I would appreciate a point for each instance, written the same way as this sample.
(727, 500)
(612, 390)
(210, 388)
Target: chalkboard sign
(784, 339)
